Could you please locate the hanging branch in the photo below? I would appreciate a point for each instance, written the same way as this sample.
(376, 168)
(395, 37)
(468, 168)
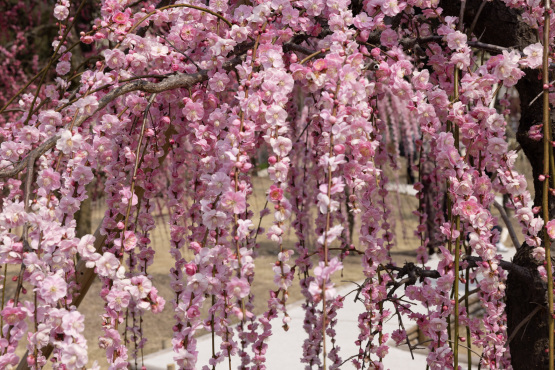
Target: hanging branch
(85, 276)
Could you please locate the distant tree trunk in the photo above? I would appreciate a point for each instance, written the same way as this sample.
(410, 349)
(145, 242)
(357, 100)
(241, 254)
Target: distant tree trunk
(83, 216)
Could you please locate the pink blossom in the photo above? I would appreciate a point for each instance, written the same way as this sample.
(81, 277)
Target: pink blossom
(74, 356)
(534, 55)
(240, 288)
(73, 323)
(12, 315)
(193, 111)
(61, 12)
(52, 289)
(234, 201)
(69, 142)
(13, 215)
(392, 7)
(63, 67)
(107, 264)
(244, 228)
(214, 219)
(275, 193)
(497, 145)
(219, 81)
(120, 17)
(118, 299)
(550, 227)
(388, 38)
(275, 115)
(282, 145)
(456, 40)
(331, 234)
(114, 58)
(274, 233)
(50, 117)
(87, 105)
(278, 172)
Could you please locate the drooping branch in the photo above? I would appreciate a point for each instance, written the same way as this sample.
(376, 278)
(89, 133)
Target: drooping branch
(84, 276)
(170, 83)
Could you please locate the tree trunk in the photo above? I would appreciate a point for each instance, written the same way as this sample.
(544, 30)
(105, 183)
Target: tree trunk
(501, 26)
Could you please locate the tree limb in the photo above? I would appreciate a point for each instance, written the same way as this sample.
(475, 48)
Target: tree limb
(172, 82)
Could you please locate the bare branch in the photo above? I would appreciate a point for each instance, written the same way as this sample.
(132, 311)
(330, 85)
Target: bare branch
(508, 223)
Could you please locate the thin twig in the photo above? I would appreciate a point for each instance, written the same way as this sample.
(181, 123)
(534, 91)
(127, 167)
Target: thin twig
(475, 20)
(460, 25)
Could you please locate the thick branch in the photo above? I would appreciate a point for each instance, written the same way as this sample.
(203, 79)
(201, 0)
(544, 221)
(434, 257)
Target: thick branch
(519, 271)
(414, 272)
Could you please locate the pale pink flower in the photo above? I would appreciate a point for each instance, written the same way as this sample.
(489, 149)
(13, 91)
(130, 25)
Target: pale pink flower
(244, 228)
(456, 40)
(52, 289)
(115, 58)
(239, 287)
(13, 315)
(82, 175)
(214, 219)
(87, 105)
(61, 12)
(388, 38)
(118, 299)
(73, 323)
(74, 356)
(13, 214)
(497, 145)
(331, 235)
(219, 81)
(281, 146)
(274, 233)
(68, 142)
(550, 227)
(534, 55)
(107, 264)
(193, 111)
(234, 201)
(278, 172)
(392, 7)
(63, 67)
(276, 115)
(50, 117)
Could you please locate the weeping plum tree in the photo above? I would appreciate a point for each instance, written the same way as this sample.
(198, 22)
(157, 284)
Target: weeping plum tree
(175, 99)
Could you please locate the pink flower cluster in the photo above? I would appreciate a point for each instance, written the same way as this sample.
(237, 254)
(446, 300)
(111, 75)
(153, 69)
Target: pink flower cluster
(186, 101)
